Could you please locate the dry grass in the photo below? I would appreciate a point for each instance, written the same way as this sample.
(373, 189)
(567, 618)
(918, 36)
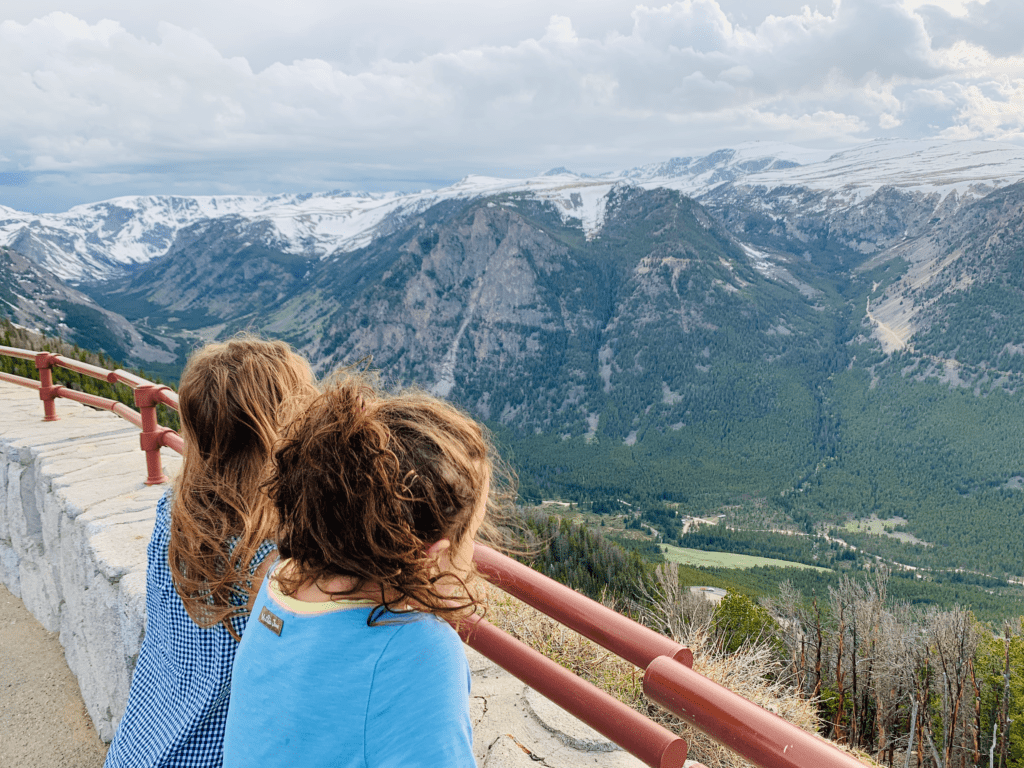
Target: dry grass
(750, 672)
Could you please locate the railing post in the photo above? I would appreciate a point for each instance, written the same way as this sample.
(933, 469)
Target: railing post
(149, 439)
(43, 362)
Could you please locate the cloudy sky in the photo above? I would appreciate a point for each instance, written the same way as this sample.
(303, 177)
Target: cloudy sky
(101, 98)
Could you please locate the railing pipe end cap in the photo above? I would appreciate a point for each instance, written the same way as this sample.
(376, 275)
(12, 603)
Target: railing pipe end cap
(684, 656)
(674, 755)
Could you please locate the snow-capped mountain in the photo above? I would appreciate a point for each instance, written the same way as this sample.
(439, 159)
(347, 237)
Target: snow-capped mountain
(101, 240)
(727, 164)
(969, 167)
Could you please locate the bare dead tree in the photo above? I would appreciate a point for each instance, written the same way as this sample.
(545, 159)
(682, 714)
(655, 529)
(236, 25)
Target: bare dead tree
(953, 641)
(977, 715)
(788, 611)
(898, 653)
(673, 609)
(819, 634)
(842, 599)
(837, 734)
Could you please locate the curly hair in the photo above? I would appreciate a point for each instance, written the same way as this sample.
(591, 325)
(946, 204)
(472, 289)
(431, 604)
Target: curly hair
(365, 482)
(234, 399)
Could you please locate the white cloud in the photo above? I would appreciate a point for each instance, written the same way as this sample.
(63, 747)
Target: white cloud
(993, 108)
(206, 99)
(817, 126)
(995, 25)
(560, 31)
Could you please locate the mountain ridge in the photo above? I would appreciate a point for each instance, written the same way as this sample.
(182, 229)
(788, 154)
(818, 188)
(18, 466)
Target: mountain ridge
(105, 239)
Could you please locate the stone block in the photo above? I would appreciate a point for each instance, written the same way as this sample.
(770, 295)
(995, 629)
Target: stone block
(39, 590)
(17, 525)
(102, 667)
(10, 574)
(6, 509)
(133, 615)
(119, 548)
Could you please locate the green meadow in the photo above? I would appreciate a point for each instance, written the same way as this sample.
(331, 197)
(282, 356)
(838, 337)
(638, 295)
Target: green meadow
(700, 557)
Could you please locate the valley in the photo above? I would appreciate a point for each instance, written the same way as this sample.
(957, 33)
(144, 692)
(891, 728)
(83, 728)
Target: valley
(791, 340)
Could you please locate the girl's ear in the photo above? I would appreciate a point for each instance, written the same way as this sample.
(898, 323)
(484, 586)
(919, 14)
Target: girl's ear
(434, 550)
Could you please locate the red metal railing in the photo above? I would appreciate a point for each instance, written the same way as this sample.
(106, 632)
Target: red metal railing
(147, 396)
(763, 738)
(754, 733)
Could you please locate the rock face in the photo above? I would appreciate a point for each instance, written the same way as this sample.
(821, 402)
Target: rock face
(550, 305)
(75, 519)
(34, 298)
(226, 270)
(961, 293)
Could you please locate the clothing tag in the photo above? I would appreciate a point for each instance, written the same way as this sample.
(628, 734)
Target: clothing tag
(270, 621)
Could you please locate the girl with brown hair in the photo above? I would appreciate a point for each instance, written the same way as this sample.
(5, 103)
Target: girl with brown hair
(353, 664)
(210, 545)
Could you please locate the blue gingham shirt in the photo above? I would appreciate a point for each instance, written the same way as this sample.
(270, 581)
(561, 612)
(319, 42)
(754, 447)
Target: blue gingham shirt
(178, 701)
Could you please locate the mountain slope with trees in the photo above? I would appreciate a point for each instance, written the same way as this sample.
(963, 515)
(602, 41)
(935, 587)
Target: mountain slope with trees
(686, 357)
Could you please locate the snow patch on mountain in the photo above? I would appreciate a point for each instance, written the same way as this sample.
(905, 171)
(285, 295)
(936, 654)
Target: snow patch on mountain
(764, 264)
(971, 168)
(759, 260)
(698, 174)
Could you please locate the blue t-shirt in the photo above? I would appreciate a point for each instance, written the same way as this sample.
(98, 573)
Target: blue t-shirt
(178, 700)
(332, 691)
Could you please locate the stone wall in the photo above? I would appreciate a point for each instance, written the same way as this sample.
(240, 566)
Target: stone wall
(75, 518)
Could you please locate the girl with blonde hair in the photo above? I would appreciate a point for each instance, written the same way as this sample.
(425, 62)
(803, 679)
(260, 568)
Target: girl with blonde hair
(209, 551)
(352, 661)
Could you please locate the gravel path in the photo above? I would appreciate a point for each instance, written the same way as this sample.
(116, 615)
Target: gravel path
(43, 722)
